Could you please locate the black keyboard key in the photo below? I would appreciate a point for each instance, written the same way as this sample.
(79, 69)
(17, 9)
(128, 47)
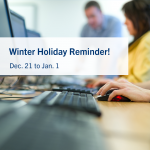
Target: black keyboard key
(76, 100)
(76, 93)
(61, 97)
(50, 96)
(68, 99)
(87, 91)
(91, 102)
(59, 89)
(83, 101)
(83, 94)
(79, 89)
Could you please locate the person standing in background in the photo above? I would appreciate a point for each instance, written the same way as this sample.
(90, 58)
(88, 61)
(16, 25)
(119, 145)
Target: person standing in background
(100, 25)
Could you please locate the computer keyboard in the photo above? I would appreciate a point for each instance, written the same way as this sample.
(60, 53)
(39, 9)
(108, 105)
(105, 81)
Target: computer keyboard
(75, 88)
(44, 128)
(75, 100)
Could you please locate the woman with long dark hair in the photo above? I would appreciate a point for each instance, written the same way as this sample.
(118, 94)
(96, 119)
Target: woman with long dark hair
(137, 13)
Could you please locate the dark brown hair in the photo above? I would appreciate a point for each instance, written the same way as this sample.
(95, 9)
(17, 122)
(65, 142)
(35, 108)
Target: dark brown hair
(138, 11)
(92, 3)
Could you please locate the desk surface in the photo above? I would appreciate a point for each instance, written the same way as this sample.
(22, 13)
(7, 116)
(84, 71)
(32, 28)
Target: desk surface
(125, 118)
(23, 96)
(126, 126)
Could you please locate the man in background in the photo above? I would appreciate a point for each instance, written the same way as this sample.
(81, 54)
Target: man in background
(100, 25)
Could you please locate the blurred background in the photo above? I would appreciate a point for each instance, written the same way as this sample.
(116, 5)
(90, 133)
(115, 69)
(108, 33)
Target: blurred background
(57, 18)
(53, 18)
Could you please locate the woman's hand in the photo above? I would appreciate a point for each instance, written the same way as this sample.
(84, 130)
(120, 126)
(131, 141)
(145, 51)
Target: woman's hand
(127, 89)
(92, 83)
(101, 82)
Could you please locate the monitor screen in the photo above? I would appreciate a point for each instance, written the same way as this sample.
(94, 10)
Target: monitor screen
(5, 27)
(31, 33)
(18, 25)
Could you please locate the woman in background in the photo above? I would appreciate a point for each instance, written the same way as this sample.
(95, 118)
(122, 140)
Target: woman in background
(137, 13)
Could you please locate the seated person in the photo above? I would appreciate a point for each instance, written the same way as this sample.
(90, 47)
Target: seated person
(127, 89)
(100, 25)
(137, 15)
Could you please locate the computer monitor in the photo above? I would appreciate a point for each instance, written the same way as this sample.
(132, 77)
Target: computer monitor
(31, 33)
(18, 25)
(5, 26)
(19, 31)
(6, 30)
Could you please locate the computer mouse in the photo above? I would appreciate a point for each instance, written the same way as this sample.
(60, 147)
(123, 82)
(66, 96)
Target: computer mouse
(118, 98)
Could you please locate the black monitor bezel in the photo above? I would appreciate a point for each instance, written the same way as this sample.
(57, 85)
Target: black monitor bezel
(8, 17)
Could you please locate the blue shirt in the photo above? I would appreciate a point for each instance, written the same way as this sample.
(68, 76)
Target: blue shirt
(111, 27)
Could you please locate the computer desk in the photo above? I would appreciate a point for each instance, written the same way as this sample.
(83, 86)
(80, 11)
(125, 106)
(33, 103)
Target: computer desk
(24, 96)
(125, 126)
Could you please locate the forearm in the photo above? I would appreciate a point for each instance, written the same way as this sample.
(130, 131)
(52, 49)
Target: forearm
(145, 85)
(146, 96)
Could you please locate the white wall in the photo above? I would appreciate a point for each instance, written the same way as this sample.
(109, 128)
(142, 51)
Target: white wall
(63, 18)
